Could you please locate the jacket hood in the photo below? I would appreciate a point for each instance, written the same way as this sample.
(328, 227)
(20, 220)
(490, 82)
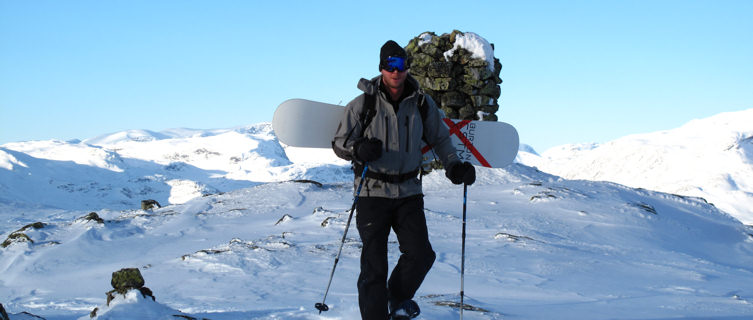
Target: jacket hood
(372, 86)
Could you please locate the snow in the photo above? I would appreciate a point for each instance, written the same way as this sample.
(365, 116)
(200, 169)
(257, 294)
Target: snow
(7, 161)
(79, 153)
(133, 305)
(120, 173)
(236, 238)
(479, 47)
(424, 38)
(710, 158)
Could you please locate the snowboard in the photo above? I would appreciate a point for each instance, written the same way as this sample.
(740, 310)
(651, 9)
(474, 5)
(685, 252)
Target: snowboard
(312, 124)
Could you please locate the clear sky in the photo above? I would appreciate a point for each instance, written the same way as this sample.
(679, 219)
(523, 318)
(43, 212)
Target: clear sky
(573, 71)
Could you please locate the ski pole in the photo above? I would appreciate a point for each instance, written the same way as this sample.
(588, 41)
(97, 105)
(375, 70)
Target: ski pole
(462, 262)
(321, 306)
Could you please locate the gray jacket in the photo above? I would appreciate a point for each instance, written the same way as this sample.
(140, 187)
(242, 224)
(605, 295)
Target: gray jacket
(400, 135)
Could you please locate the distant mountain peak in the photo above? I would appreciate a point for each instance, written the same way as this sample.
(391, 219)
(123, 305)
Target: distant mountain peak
(709, 158)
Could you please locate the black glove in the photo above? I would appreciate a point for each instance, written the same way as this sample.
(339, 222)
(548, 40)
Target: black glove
(367, 149)
(461, 173)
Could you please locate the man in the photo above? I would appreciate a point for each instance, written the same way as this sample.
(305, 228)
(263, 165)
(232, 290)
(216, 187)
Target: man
(388, 141)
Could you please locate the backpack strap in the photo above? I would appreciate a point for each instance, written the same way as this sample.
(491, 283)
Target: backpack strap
(368, 113)
(369, 110)
(423, 107)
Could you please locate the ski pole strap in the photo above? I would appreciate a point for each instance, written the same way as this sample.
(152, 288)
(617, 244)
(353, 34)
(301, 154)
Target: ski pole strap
(358, 169)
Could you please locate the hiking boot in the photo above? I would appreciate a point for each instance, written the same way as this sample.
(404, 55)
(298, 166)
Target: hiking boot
(406, 310)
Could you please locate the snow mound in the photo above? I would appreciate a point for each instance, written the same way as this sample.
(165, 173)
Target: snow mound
(134, 305)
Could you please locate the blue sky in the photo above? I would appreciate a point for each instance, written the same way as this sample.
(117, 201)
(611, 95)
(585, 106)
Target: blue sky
(573, 71)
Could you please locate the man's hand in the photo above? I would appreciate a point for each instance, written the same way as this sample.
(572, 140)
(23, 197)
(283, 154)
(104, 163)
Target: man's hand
(366, 150)
(461, 173)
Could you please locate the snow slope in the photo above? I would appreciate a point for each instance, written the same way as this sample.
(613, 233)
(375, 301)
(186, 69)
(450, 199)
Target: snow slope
(710, 158)
(256, 245)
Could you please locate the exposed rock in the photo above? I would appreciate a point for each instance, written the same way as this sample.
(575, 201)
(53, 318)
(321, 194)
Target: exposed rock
(511, 237)
(327, 221)
(92, 216)
(16, 237)
(3, 314)
(124, 280)
(645, 207)
(149, 204)
(316, 183)
(183, 316)
(284, 219)
(127, 278)
(146, 292)
(19, 236)
(35, 225)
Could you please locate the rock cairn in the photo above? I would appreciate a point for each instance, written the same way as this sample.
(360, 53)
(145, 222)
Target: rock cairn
(459, 71)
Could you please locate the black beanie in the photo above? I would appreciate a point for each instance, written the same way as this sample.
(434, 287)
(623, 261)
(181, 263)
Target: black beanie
(391, 49)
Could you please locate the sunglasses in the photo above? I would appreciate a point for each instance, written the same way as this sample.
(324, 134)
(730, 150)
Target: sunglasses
(395, 63)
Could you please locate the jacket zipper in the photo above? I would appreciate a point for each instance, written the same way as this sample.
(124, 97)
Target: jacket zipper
(387, 133)
(407, 134)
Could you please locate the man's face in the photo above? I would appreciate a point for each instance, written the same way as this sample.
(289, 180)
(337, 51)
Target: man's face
(394, 79)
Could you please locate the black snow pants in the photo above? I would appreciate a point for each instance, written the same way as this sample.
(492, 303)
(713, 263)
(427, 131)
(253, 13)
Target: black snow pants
(376, 216)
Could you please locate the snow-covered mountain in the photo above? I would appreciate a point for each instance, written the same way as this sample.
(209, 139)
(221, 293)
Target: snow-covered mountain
(237, 238)
(710, 158)
(117, 171)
